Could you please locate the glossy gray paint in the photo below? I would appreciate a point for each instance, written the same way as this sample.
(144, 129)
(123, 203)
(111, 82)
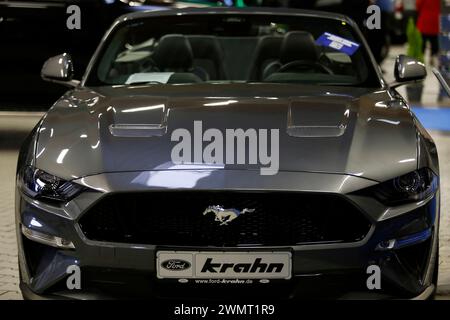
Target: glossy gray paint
(378, 142)
(59, 67)
(409, 69)
(375, 134)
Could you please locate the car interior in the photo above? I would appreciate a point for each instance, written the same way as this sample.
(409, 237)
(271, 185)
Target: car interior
(204, 58)
(269, 53)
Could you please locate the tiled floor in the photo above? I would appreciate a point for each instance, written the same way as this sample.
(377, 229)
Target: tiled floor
(443, 145)
(8, 251)
(13, 126)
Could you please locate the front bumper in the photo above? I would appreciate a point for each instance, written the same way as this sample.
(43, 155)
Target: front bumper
(28, 294)
(320, 271)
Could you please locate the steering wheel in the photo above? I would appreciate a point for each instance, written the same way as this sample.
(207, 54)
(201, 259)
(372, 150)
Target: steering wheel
(304, 64)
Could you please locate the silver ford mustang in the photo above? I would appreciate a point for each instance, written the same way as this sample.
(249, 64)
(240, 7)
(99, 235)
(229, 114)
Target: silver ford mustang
(212, 153)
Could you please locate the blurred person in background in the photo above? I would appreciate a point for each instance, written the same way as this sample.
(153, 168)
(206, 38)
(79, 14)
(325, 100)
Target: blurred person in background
(428, 12)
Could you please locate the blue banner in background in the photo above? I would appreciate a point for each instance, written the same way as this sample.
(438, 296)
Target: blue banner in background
(433, 118)
(337, 43)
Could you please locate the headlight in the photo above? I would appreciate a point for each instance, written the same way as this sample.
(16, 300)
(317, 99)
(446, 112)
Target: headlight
(411, 187)
(39, 184)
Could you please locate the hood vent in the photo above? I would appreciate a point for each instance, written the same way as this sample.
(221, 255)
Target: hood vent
(142, 117)
(306, 119)
(137, 130)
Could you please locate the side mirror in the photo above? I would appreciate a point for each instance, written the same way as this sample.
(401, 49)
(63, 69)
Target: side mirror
(59, 69)
(409, 69)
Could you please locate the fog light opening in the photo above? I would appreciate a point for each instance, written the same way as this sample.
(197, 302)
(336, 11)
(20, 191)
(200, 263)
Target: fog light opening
(404, 241)
(386, 245)
(47, 239)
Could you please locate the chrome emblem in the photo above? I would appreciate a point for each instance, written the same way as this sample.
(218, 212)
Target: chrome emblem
(225, 216)
(175, 265)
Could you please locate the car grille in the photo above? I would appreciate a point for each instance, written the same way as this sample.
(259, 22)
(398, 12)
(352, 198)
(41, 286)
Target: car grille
(176, 219)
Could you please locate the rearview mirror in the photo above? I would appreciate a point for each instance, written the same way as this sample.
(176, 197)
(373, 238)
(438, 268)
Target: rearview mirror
(59, 69)
(409, 69)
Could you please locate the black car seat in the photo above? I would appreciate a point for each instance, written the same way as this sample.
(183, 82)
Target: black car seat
(267, 51)
(173, 54)
(208, 57)
(298, 52)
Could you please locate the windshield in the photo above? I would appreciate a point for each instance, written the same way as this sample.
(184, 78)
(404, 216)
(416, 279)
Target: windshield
(223, 48)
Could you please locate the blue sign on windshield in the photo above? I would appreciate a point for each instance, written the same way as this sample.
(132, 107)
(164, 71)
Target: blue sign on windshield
(338, 43)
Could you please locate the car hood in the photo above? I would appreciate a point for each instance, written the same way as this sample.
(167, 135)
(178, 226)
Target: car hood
(321, 129)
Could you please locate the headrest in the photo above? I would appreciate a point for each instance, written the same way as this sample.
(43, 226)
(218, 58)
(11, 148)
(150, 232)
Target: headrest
(173, 52)
(298, 45)
(205, 47)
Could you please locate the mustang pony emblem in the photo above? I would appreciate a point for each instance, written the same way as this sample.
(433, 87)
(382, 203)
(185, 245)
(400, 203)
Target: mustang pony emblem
(224, 216)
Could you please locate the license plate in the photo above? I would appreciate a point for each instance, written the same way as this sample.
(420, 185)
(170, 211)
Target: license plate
(223, 265)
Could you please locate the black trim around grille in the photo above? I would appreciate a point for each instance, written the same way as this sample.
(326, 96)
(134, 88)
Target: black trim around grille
(175, 218)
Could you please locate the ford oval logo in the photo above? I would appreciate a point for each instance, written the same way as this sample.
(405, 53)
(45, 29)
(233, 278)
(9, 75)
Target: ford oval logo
(175, 265)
